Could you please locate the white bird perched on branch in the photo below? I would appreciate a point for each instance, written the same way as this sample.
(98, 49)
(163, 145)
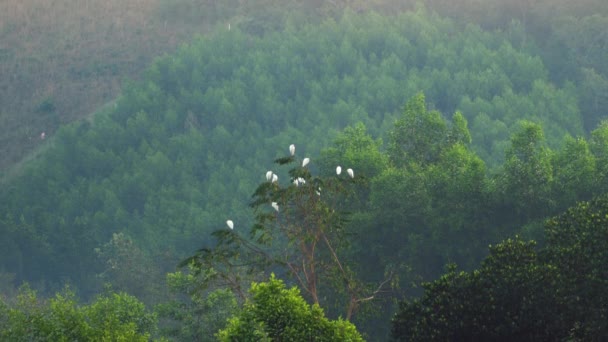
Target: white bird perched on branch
(275, 178)
(351, 173)
(275, 206)
(292, 149)
(230, 224)
(269, 176)
(338, 170)
(305, 162)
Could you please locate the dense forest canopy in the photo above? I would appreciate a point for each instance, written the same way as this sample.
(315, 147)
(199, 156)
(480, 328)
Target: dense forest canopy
(520, 293)
(60, 60)
(462, 125)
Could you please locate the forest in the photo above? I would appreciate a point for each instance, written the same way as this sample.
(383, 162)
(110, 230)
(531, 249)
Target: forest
(285, 170)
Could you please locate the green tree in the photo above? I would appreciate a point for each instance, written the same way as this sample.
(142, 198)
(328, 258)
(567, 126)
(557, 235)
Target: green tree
(423, 211)
(192, 315)
(599, 147)
(418, 136)
(574, 173)
(577, 244)
(508, 298)
(129, 269)
(593, 97)
(355, 148)
(275, 313)
(520, 293)
(458, 187)
(299, 227)
(111, 317)
(459, 132)
(525, 181)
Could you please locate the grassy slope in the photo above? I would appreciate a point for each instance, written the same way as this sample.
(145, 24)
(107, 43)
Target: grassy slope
(61, 59)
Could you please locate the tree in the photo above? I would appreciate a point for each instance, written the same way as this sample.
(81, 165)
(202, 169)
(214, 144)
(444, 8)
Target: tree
(593, 97)
(357, 149)
(577, 244)
(111, 317)
(423, 210)
(519, 293)
(192, 315)
(275, 313)
(418, 136)
(599, 148)
(128, 269)
(459, 132)
(506, 299)
(300, 229)
(525, 182)
(574, 173)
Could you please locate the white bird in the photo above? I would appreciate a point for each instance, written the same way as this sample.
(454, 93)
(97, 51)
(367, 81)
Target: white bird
(305, 162)
(269, 176)
(292, 149)
(230, 224)
(275, 206)
(351, 173)
(301, 180)
(275, 178)
(338, 170)
(296, 182)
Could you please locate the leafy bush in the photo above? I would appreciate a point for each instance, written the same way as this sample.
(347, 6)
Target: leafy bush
(276, 313)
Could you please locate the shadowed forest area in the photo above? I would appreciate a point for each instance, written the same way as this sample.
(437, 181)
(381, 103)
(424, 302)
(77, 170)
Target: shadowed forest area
(288, 170)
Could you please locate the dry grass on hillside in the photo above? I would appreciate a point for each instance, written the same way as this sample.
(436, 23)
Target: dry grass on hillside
(61, 59)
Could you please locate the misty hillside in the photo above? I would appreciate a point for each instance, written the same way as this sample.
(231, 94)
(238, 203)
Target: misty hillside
(455, 131)
(61, 60)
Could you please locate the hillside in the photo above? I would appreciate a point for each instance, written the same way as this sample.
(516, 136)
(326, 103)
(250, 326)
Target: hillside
(457, 134)
(61, 60)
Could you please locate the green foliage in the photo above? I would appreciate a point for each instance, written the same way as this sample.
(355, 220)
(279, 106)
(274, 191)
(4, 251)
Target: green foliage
(519, 293)
(355, 148)
(299, 228)
(178, 147)
(460, 130)
(599, 147)
(593, 100)
(434, 194)
(129, 269)
(576, 245)
(119, 316)
(276, 313)
(137, 186)
(418, 136)
(575, 173)
(505, 299)
(526, 180)
(192, 315)
(111, 317)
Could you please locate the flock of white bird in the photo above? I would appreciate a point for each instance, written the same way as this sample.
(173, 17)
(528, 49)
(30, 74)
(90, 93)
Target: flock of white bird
(271, 177)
